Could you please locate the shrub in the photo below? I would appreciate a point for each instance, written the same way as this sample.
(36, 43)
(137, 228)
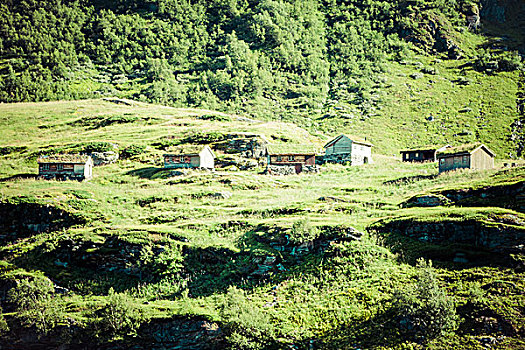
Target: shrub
(120, 315)
(36, 304)
(98, 147)
(303, 231)
(131, 151)
(424, 310)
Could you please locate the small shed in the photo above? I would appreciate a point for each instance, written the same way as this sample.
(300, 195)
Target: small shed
(348, 149)
(290, 158)
(190, 157)
(422, 154)
(471, 156)
(65, 167)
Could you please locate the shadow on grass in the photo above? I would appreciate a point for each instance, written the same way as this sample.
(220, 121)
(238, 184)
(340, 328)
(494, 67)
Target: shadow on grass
(409, 179)
(150, 173)
(452, 256)
(381, 330)
(19, 177)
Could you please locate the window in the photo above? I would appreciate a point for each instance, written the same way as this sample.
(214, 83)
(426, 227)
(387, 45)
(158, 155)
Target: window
(45, 166)
(181, 159)
(416, 155)
(279, 158)
(291, 158)
(60, 167)
(442, 161)
(465, 159)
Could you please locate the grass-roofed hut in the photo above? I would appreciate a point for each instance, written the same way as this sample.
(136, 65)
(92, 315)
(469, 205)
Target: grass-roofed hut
(287, 159)
(65, 167)
(421, 154)
(470, 156)
(190, 156)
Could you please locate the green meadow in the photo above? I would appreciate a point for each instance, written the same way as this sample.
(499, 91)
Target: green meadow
(272, 264)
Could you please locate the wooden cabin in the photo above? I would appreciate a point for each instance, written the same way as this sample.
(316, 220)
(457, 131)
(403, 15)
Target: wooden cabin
(344, 149)
(422, 154)
(65, 167)
(190, 157)
(472, 156)
(285, 159)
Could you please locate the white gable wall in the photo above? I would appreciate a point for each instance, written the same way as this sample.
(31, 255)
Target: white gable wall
(207, 159)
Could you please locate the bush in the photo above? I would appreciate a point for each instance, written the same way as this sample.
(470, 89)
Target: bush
(36, 304)
(303, 231)
(132, 151)
(120, 315)
(424, 310)
(98, 147)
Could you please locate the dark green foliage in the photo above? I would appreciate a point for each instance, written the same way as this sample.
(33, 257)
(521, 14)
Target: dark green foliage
(424, 310)
(235, 54)
(132, 151)
(36, 304)
(98, 147)
(11, 149)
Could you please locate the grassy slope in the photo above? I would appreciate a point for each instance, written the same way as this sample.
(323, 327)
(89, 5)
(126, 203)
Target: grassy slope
(405, 104)
(315, 298)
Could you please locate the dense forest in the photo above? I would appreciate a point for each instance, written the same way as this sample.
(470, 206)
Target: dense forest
(250, 55)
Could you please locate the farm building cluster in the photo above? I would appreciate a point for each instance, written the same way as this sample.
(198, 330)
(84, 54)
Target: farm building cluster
(283, 159)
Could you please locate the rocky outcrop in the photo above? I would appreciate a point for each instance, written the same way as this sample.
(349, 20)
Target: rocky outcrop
(497, 236)
(510, 196)
(428, 200)
(244, 144)
(182, 333)
(104, 158)
(25, 219)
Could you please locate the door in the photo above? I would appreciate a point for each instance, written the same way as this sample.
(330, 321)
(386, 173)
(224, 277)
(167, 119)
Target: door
(298, 168)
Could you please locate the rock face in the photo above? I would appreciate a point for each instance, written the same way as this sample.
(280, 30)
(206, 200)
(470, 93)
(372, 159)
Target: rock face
(497, 236)
(25, 219)
(507, 196)
(104, 158)
(184, 333)
(429, 200)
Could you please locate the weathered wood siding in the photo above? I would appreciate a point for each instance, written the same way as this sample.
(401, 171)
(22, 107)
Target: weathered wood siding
(343, 146)
(453, 162)
(480, 159)
(78, 171)
(292, 159)
(184, 161)
(419, 156)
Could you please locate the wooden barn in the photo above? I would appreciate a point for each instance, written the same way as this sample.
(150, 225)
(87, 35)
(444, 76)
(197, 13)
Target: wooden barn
(285, 159)
(190, 157)
(422, 154)
(65, 167)
(344, 149)
(472, 156)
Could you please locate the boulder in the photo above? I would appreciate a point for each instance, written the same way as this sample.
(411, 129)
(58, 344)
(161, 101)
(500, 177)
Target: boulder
(104, 158)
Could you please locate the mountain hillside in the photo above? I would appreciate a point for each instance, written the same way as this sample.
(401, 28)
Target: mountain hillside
(144, 257)
(400, 73)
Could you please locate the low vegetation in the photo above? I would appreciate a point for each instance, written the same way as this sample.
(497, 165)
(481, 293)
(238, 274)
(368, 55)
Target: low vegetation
(293, 261)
